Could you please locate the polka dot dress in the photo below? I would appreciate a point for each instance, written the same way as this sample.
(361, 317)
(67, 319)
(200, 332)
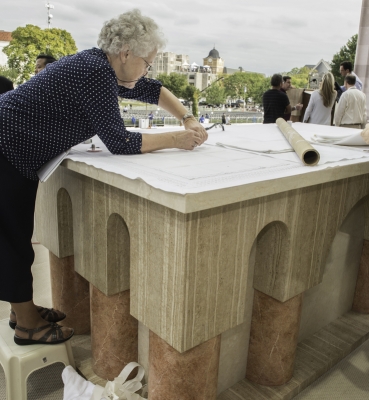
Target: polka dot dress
(68, 102)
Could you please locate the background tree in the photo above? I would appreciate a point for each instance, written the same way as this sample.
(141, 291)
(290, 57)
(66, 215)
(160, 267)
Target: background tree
(235, 85)
(176, 83)
(215, 94)
(259, 89)
(190, 93)
(347, 53)
(299, 77)
(9, 73)
(29, 41)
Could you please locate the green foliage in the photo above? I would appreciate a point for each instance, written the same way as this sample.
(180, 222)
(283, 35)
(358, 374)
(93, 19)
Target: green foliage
(216, 94)
(255, 83)
(299, 77)
(259, 89)
(29, 41)
(190, 93)
(346, 53)
(9, 73)
(174, 82)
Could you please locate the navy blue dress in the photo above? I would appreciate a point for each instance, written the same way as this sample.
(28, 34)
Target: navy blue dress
(68, 102)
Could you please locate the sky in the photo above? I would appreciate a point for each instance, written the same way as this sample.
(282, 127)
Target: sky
(265, 36)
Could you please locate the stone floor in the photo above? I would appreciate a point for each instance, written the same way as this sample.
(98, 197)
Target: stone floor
(348, 380)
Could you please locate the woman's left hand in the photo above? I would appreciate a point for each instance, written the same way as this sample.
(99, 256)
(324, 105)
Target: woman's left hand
(194, 125)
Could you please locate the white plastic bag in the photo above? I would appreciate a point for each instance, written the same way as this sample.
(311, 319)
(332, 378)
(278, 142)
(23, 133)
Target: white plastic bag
(75, 387)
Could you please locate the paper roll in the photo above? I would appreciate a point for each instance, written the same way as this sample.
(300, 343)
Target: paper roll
(307, 154)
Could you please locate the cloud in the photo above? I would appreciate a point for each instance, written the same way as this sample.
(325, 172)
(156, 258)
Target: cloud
(265, 36)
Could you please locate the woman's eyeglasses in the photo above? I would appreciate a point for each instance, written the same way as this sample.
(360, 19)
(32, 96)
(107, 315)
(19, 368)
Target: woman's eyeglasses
(148, 66)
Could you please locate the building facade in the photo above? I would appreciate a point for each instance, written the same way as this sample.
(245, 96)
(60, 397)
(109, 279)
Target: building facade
(5, 38)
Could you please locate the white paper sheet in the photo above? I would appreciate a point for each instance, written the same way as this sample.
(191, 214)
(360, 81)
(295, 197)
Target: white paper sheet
(211, 167)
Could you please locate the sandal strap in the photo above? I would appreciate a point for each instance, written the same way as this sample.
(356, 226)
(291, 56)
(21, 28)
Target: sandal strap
(55, 332)
(31, 332)
(45, 313)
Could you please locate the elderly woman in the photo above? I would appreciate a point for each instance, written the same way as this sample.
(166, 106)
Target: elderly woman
(321, 102)
(65, 104)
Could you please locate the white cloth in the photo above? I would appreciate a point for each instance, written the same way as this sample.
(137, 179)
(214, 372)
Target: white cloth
(75, 387)
(318, 113)
(351, 108)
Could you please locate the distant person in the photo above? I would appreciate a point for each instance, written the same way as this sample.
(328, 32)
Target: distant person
(346, 69)
(5, 85)
(286, 85)
(321, 102)
(228, 120)
(224, 119)
(275, 102)
(151, 119)
(125, 109)
(130, 106)
(133, 121)
(207, 116)
(351, 109)
(202, 119)
(41, 61)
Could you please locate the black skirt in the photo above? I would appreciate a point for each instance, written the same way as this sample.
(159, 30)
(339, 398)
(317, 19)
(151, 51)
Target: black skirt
(17, 207)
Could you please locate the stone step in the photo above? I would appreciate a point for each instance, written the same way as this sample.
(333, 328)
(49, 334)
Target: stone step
(315, 355)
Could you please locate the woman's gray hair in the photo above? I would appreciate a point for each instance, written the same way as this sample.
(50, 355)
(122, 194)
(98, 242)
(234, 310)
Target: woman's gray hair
(141, 34)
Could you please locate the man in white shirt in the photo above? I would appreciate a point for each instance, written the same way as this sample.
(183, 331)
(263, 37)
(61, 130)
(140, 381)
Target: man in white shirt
(346, 69)
(351, 109)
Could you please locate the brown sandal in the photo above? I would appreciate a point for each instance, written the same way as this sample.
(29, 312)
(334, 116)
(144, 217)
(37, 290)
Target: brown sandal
(57, 335)
(48, 314)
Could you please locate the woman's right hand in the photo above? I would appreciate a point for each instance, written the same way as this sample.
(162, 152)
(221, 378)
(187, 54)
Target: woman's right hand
(188, 139)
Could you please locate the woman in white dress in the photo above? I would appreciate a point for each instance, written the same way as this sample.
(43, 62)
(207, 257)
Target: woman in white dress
(321, 102)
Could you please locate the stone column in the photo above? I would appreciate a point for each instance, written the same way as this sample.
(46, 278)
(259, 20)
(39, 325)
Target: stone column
(361, 297)
(114, 333)
(273, 339)
(361, 67)
(70, 293)
(186, 376)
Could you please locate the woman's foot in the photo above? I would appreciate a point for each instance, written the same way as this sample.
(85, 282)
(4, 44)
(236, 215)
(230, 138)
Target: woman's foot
(31, 327)
(49, 333)
(48, 314)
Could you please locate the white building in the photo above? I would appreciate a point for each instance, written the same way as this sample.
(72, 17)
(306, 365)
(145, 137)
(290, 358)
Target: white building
(5, 38)
(168, 62)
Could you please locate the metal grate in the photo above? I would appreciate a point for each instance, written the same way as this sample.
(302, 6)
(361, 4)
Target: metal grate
(43, 384)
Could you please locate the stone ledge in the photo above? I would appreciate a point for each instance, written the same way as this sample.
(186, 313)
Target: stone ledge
(315, 356)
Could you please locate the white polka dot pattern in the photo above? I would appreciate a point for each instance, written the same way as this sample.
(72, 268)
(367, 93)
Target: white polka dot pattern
(68, 102)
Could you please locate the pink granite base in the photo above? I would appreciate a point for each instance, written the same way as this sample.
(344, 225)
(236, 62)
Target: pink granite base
(114, 333)
(273, 339)
(70, 294)
(361, 297)
(192, 375)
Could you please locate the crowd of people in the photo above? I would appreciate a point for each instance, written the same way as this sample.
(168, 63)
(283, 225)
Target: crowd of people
(348, 101)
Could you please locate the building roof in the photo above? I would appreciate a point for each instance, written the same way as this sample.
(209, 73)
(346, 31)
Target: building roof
(214, 53)
(310, 66)
(325, 63)
(5, 36)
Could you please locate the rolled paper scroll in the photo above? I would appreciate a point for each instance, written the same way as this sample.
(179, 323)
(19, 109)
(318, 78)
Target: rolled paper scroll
(307, 154)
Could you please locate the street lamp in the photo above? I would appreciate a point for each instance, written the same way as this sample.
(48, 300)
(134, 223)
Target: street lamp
(245, 91)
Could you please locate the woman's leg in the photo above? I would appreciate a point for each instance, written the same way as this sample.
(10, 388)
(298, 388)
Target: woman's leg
(17, 205)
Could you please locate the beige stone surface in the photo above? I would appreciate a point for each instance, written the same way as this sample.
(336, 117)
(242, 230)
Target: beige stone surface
(201, 201)
(334, 295)
(315, 355)
(188, 272)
